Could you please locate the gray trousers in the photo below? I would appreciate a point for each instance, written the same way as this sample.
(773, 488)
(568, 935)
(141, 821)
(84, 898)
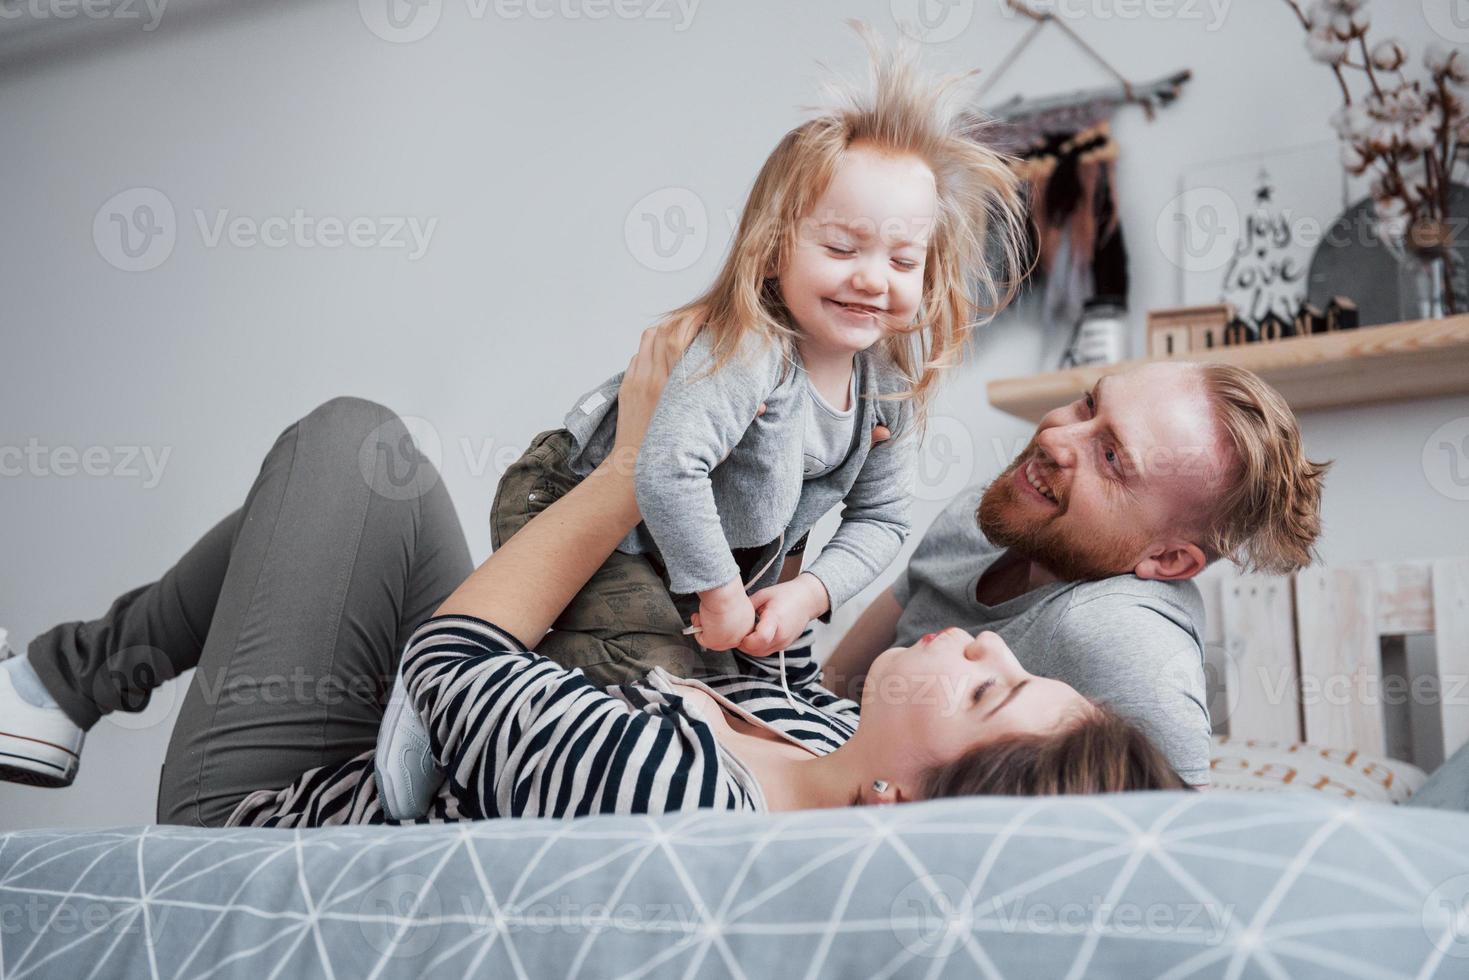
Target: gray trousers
(293, 610)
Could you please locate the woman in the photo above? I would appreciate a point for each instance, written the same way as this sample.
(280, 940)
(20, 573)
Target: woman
(291, 609)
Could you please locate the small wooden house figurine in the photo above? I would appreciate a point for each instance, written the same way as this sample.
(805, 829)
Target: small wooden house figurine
(1239, 332)
(1273, 326)
(1341, 314)
(1310, 320)
(1189, 328)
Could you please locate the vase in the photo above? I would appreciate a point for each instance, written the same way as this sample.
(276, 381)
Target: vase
(1432, 280)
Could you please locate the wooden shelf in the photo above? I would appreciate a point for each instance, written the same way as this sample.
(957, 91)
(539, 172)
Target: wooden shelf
(1421, 359)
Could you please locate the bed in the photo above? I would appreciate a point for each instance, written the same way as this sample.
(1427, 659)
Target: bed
(1334, 880)
(1139, 885)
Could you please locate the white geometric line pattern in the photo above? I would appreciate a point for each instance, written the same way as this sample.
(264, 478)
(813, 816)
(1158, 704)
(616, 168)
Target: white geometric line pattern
(1166, 885)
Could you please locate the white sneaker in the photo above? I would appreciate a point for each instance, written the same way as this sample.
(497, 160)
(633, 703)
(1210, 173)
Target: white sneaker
(407, 776)
(39, 745)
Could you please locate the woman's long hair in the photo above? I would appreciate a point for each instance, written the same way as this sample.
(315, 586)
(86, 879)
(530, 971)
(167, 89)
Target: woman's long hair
(975, 249)
(1100, 752)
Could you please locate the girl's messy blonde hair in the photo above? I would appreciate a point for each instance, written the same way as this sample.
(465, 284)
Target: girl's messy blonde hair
(975, 249)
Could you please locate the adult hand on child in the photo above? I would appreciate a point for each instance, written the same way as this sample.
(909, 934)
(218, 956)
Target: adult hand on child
(659, 349)
(784, 611)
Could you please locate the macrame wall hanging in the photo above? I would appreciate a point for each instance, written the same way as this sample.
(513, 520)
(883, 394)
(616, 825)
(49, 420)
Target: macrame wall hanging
(1067, 159)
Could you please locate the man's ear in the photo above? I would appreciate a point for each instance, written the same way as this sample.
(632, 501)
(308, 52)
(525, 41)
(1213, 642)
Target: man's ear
(1172, 561)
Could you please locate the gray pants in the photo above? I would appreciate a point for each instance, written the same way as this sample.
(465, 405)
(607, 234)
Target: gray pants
(294, 611)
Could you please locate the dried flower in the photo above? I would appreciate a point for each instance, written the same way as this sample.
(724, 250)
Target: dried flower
(1401, 135)
(1390, 55)
(1421, 135)
(1392, 217)
(1381, 135)
(1326, 47)
(1446, 62)
(1351, 121)
(1407, 102)
(1354, 159)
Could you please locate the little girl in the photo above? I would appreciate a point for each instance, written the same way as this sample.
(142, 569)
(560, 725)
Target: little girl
(846, 293)
(861, 264)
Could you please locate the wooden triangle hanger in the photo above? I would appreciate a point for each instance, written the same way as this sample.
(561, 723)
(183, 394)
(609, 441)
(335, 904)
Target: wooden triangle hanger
(1159, 92)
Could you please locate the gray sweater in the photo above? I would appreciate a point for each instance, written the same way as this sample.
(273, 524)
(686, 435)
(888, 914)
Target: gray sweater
(712, 477)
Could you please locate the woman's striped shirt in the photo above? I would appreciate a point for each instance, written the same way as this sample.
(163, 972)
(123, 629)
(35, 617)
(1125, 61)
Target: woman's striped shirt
(520, 736)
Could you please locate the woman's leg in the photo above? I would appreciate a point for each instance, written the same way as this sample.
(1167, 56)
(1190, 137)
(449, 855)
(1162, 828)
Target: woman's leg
(294, 609)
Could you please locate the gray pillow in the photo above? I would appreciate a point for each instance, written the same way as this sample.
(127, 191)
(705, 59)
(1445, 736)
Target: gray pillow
(1448, 787)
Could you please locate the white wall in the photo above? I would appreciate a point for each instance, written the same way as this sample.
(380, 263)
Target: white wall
(529, 141)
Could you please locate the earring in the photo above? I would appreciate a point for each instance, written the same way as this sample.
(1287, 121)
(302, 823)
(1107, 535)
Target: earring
(879, 786)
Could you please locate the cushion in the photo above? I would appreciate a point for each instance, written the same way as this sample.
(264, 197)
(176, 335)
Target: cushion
(1448, 787)
(1264, 766)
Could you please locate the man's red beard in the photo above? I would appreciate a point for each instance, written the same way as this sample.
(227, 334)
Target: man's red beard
(1069, 552)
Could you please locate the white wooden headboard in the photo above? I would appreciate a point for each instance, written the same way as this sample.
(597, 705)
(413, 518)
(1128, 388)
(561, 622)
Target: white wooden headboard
(1300, 658)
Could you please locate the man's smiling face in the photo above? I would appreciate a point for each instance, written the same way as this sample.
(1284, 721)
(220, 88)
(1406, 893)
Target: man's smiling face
(1122, 480)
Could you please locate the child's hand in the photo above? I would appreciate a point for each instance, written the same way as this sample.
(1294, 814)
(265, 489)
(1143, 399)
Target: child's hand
(784, 611)
(726, 616)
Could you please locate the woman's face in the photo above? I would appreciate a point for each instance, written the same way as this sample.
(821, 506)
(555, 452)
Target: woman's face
(856, 269)
(934, 701)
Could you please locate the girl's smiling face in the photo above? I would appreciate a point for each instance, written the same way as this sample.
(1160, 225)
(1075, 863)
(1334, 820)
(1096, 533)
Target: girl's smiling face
(855, 271)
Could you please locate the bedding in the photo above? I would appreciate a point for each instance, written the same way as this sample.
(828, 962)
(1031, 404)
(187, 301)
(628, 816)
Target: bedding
(1134, 885)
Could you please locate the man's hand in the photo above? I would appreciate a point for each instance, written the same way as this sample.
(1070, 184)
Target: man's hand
(725, 617)
(784, 611)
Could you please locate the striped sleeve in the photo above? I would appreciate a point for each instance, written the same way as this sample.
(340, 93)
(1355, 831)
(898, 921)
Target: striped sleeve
(518, 735)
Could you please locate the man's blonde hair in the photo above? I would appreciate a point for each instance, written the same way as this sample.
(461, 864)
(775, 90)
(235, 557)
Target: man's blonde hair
(975, 249)
(1269, 519)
